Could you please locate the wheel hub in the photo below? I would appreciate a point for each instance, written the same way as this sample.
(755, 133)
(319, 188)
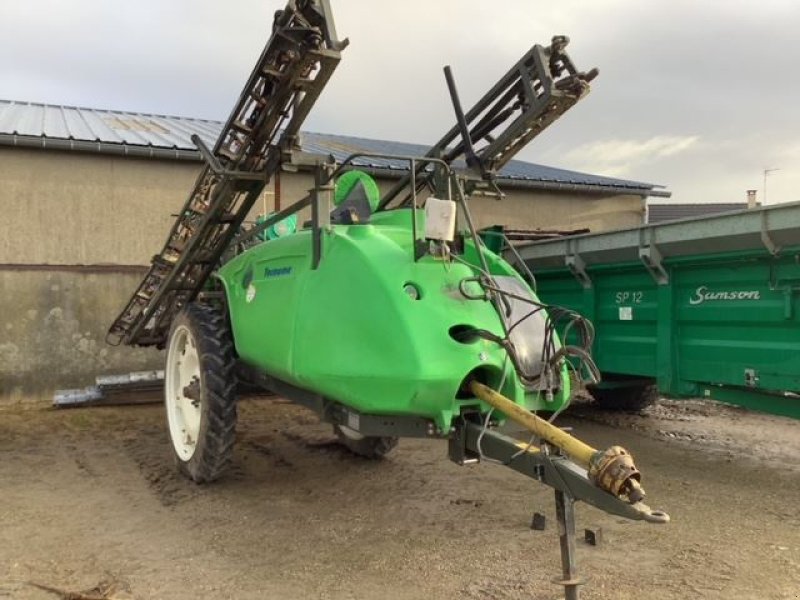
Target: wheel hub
(192, 391)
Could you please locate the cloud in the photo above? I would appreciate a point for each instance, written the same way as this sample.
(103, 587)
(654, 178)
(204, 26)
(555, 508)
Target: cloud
(617, 157)
(667, 67)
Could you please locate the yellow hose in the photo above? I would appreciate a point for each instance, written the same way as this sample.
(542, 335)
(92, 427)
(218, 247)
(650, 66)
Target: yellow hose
(611, 470)
(580, 452)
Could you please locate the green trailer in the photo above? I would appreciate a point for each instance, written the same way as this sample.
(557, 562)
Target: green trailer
(703, 307)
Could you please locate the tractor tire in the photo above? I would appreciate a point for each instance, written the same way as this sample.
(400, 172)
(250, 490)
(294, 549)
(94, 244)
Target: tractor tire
(633, 398)
(200, 392)
(367, 446)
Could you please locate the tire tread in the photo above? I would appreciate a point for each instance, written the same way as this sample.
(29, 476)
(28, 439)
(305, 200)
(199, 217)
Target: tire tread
(371, 447)
(218, 394)
(634, 398)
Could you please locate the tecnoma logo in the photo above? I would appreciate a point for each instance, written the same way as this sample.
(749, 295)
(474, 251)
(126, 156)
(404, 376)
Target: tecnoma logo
(702, 294)
(277, 272)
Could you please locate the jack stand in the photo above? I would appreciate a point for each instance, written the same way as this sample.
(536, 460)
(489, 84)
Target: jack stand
(469, 441)
(565, 517)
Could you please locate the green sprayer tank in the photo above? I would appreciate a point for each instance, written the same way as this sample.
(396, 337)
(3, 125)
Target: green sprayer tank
(373, 328)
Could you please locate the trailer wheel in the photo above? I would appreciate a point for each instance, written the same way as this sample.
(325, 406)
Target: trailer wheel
(632, 398)
(200, 392)
(368, 446)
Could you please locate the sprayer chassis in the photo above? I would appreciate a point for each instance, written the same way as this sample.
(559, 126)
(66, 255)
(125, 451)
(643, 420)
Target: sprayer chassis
(460, 420)
(305, 316)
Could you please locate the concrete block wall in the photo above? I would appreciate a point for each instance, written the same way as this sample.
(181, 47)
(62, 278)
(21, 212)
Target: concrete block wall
(525, 209)
(52, 330)
(79, 230)
(78, 233)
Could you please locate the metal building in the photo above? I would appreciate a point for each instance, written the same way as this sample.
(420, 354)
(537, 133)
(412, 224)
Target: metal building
(87, 197)
(661, 212)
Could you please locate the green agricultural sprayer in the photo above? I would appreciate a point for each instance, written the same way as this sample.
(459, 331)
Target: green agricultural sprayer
(383, 313)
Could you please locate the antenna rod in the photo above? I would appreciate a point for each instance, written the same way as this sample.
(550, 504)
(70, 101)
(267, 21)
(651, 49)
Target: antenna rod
(469, 151)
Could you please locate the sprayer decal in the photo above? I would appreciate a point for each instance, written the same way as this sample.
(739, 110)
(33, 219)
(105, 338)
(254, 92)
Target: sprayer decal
(702, 294)
(278, 272)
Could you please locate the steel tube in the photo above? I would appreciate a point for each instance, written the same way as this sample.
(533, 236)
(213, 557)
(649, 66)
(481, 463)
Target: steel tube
(565, 515)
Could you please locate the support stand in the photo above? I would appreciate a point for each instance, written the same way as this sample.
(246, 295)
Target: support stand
(565, 517)
(469, 442)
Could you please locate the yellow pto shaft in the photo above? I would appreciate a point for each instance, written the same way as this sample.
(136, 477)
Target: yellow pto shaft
(611, 470)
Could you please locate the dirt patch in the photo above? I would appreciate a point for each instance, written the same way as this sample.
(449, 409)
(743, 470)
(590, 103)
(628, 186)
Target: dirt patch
(91, 495)
(717, 428)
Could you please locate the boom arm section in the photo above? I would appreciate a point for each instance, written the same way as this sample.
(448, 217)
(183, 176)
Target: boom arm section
(542, 86)
(292, 71)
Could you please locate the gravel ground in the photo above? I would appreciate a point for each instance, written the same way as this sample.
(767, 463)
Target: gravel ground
(89, 500)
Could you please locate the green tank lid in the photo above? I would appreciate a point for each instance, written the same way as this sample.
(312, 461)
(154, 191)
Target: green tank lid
(348, 181)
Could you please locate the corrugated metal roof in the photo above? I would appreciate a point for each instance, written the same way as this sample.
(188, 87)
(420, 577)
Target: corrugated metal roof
(109, 126)
(341, 146)
(137, 133)
(658, 213)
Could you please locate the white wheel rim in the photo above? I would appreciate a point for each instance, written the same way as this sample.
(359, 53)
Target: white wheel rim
(182, 377)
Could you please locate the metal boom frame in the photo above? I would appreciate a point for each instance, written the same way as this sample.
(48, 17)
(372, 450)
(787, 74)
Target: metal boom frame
(294, 67)
(536, 91)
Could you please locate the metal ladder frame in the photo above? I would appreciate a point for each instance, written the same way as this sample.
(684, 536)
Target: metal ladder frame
(536, 91)
(292, 71)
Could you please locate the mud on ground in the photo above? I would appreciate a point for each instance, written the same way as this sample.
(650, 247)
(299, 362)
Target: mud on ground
(90, 502)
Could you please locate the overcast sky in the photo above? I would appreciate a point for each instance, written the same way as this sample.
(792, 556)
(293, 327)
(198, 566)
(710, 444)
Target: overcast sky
(700, 96)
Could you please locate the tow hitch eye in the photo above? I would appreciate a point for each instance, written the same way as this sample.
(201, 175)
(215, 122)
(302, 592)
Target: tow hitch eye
(612, 470)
